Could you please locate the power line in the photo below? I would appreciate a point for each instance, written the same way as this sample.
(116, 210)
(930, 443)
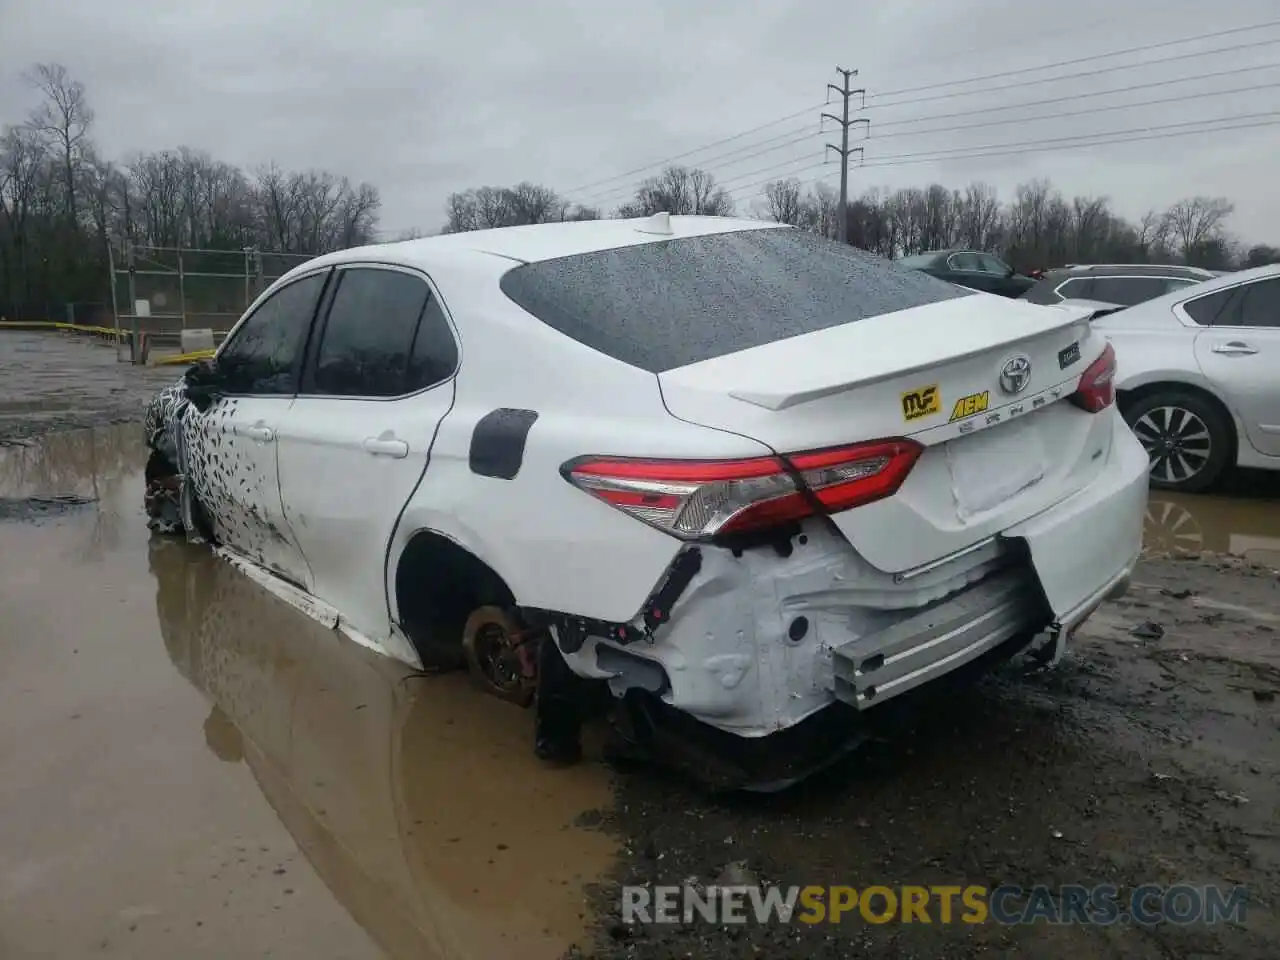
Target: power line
(1015, 106)
(600, 195)
(995, 123)
(714, 143)
(1080, 113)
(1160, 136)
(952, 114)
(1040, 146)
(1084, 73)
(1072, 62)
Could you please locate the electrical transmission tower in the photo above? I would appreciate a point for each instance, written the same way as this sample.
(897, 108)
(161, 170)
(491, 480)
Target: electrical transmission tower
(842, 225)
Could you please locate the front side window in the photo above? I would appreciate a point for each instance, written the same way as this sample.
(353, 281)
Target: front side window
(990, 264)
(368, 335)
(262, 357)
(968, 262)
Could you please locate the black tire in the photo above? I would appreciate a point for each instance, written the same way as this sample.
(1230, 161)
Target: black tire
(1187, 438)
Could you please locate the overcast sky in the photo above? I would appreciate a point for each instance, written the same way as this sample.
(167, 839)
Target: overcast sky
(422, 99)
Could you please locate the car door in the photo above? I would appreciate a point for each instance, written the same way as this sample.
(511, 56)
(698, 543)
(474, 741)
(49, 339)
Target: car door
(965, 269)
(232, 445)
(377, 382)
(1240, 353)
(1002, 277)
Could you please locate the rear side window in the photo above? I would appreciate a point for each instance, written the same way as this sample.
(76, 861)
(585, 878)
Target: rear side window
(1078, 288)
(435, 352)
(658, 306)
(1128, 291)
(368, 337)
(1205, 310)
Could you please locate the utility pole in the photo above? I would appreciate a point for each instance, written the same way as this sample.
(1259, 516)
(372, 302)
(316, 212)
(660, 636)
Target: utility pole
(842, 226)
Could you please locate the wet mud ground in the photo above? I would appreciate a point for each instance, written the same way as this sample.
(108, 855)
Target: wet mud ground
(188, 767)
(55, 381)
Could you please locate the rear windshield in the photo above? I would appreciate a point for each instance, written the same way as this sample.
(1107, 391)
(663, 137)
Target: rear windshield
(658, 306)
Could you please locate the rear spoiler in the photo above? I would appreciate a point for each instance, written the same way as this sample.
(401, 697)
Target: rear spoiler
(1087, 309)
(1104, 312)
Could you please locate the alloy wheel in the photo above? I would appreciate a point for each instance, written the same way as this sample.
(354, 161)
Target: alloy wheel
(1177, 442)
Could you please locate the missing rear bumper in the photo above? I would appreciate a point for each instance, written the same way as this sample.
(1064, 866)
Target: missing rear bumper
(1062, 629)
(939, 639)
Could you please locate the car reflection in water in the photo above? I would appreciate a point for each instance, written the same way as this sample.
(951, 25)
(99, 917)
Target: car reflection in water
(1248, 527)
(416, 799)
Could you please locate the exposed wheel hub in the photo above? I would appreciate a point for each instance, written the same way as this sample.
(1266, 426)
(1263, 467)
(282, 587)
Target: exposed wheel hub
(499, 654)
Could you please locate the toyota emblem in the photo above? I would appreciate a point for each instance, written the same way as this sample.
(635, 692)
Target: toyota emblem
(1015, 374)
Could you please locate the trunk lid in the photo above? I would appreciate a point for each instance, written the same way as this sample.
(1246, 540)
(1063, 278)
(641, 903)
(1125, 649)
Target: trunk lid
(993, 455)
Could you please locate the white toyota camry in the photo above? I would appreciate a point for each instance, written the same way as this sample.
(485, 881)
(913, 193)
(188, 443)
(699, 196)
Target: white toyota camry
(731, 468)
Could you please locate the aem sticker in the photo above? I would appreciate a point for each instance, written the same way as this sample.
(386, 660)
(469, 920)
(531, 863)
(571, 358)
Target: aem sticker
(1068, 355)
(921, 402)
(968, 406)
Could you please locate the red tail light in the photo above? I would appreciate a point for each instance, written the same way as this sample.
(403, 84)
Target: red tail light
(1097, 384)
(700, 499)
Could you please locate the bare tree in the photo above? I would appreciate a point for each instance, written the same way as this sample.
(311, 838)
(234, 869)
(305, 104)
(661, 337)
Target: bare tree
(1090, 226)
(679, 190)
(64, 118)
(786, 204)
(1261, 255)
(531, 203)
(482, 208)
(1195, 221)
(582, 213)
(821, 209)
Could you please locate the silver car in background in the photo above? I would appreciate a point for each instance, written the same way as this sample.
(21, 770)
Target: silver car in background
(1198, 377)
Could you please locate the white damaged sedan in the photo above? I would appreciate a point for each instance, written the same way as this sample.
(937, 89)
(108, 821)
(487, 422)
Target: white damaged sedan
(739, 473)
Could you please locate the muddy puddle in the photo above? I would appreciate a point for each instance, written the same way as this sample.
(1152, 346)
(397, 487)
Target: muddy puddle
(1246, 524)
(53, 381)
(189, 767)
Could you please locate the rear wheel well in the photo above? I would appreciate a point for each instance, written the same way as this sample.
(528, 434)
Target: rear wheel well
(438, 585)
(1126, 399)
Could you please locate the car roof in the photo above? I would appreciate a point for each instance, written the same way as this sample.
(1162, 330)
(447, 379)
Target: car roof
(1132, 270)
(531, 243)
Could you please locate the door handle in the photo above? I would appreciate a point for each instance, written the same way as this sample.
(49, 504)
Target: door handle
(379, 446)
(1234, 349)
(258, 433)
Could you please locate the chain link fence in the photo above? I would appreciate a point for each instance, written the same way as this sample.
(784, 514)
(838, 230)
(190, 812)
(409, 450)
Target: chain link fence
(160, 292)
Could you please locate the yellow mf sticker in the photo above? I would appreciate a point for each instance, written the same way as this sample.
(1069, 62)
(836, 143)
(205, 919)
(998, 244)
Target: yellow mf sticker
(968, 406)
(921, 402)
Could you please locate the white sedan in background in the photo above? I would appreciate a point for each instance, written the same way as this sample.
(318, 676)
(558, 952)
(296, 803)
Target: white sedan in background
(1199, 377)
(731, 467)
